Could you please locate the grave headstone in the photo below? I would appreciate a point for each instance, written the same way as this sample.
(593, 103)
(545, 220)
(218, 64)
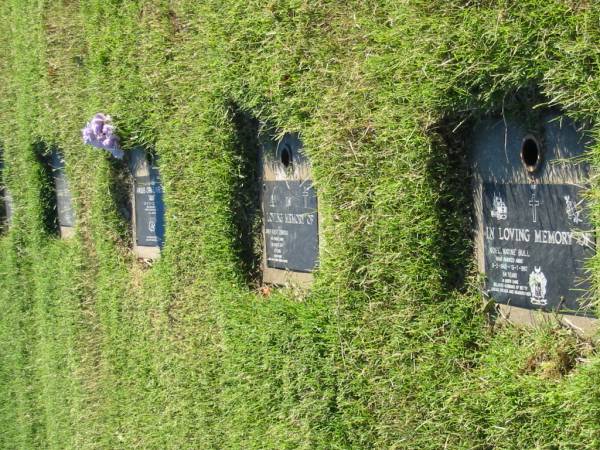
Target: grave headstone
(6, 204)
(290, 213)
(533, 233)
(148, 205)
(64, 201)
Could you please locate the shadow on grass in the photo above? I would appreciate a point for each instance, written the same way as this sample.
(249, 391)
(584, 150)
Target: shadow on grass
(245, 201)
(450, 174)
(120, 193)
(47, 198)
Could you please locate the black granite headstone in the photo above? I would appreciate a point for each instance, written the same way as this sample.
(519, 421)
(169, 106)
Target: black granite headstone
(291, 225)
(64, 202)
(289, 203)
(6, 207)
(534, 230)
(536, 240)
(148, 200)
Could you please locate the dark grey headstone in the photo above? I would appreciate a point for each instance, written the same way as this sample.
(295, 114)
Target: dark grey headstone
(536, 240)
(6, 203)
(64, 202)
(534, 231)
(289, 204)
(291, 225)
(148, 200)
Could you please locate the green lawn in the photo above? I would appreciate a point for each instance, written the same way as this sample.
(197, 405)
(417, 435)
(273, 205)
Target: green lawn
(392, 347)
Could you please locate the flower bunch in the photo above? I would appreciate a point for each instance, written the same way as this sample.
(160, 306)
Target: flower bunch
(100, 133)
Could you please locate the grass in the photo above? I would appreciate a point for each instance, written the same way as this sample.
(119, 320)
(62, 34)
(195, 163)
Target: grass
(392, 347)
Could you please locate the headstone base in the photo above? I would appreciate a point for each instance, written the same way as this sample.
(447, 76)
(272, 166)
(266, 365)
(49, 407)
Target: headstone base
(67, 232)
(285, 277)
(143, 252)
(584, 326)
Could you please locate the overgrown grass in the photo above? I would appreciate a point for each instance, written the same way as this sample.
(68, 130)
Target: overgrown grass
(392, 347)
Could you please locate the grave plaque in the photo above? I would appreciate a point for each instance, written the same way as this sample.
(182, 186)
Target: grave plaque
(148, 205)
(8, 206)
(536, 240)
(6, 203)
(289, 206)
(64, 203)
(534, 234)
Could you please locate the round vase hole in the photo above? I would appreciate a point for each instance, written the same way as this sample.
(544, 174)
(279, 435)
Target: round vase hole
(531, 154)
(286, 157)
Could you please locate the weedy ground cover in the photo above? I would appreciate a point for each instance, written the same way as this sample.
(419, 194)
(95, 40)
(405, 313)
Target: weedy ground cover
(392, 347)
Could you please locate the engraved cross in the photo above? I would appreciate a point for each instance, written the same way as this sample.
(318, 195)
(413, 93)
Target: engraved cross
(534, 203)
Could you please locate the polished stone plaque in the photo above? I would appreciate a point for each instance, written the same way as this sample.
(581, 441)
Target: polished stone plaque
(537, 238)
(533, 233)
(64, 202)
(290, 211)
(6, 201)
(291, 225)
(148, 200)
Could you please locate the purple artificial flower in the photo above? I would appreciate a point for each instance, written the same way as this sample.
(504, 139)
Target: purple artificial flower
(108, 142)
(107, 130)
(87, 135)
(97, 125)
(100, 133)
